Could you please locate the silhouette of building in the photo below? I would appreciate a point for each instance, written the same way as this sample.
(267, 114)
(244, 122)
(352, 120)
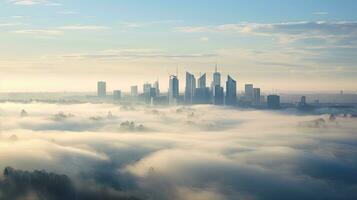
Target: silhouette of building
(303, 100)
(147, 92)
(217, 90)
(157, 88)
(256, 95)
(173, 90)
(216, 78)
(249, 92)
(101, 89)
(231, 91)
(116, 95)
(202, 81)
(190, 88)
(134, 91)
(273, 101)
(202, 94)
(217, 95)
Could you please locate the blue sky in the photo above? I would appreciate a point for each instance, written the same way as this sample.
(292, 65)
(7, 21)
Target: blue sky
(275, 44)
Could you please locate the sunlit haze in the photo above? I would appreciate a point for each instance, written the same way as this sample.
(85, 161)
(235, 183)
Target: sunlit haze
(178, 100)
(281, 45)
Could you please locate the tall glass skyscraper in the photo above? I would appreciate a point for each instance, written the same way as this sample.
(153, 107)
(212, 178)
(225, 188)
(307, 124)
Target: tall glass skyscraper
(202, 81)
(249, 92)
(190, 88)
(231, 91)
(173, 90)
(102, 89)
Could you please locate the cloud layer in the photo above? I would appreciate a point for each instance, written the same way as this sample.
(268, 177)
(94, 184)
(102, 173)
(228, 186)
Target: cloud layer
(200, 152)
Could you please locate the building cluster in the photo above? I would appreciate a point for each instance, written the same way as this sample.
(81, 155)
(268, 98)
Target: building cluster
(198, 92)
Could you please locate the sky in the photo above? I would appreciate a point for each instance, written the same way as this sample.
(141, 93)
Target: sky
(63, 45)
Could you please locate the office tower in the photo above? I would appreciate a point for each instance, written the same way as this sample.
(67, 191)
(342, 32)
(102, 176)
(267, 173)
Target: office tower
(231, 91)
(173, 90)
(249, 92)
(134, 91)
(303, 100)
(146, 92)
(190, 88)
(157, 88)
(217, 90)
(116, 95)
(153, 95)
(217, 95)
(216, 78)
(146, 88)
(202, 93)
(202, 81)
(102, 89)
(256, 94)
(273, 101)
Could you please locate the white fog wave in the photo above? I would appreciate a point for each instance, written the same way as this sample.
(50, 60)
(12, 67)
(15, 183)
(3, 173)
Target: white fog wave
(185, 152)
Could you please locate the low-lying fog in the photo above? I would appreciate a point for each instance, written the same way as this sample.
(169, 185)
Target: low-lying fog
(183, 153)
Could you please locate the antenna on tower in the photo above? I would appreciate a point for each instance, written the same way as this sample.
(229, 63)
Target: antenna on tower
(215, 68)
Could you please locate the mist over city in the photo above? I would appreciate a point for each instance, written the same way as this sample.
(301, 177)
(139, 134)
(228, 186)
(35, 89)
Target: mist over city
(178, 100)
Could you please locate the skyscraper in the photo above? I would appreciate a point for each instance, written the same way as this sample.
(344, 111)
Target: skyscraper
(116, 95)
(202, 94)
(190, 88)
(147, 92)
(217, 90)
(173, 90)
(256, 95)
(249, 92)
(146, 88)
(231, 91)
(101, 89)
(217, 95)
(157, 88)
(216, 78)
(134, 91)
(202, 81)
(273, 101)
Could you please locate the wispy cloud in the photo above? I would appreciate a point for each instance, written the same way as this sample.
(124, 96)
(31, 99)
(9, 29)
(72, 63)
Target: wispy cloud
(149, 23)
(67, 12)
(287, 31)
(8, 24)
(84, 27)
(134, 54)
(47, 33)
(320, 13)
(34, 2)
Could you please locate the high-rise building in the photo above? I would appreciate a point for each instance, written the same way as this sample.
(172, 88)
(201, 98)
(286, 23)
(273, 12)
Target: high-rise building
(116, 95)
(217, 95)
(256, 95)
(303, 100)
(202, 93)
(202, 81)
(147, 92)
(146, 88)
(190, 88)
(134, 91)
(273, 101)
(217, 90)
(157, 88)
(249, 92)
(231, 91)
(101, 89)
(216, 78)
(173, 90)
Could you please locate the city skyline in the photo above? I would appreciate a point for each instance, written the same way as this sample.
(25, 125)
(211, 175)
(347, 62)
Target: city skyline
(178, 99)
(287, 46)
